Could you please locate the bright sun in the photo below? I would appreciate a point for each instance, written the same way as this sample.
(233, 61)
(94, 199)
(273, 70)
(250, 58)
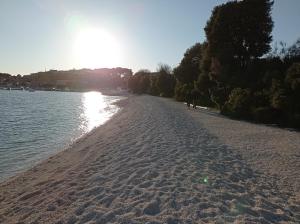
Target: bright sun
(96, 48)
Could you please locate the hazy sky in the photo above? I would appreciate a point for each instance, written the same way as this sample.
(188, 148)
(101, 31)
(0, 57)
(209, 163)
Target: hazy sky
(57, 34)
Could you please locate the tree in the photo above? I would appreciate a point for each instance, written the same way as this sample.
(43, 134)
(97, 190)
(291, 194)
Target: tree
(293, 77)
(292, 80)
(187, 71)
(203, 88)
(140, 82)
(239, 31)
(189, 68)
(239, 103)
(294, 50)
(165, 81)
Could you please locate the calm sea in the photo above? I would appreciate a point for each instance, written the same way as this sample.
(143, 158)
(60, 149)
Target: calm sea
(35, 125)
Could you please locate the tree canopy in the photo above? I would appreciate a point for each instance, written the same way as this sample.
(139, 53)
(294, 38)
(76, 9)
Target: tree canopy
(232, 70)
(240, 30)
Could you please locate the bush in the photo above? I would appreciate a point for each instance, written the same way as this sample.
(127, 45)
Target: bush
(292, 80)
(280, 100)
(293, 120)
(266, 115)
(218, 96)
(140, 82)
(261, 98)
(165, 81)
(239, 104)
(179, 93)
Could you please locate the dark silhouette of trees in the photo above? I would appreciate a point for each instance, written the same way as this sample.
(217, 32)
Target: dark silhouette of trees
(140, 82)
(4, 78)
(73, 80)
(192, 81)
(4, 75)
(189, 68)
(82, 79)
(165, 81)
(239, 103)
(233, 71)
(187, 71)
(238, 33)
(160, 83)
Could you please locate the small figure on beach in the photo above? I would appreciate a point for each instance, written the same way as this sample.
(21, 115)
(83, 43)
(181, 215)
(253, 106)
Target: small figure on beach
(188, 99)
(194, 104)
(191, 99)
(194, 94)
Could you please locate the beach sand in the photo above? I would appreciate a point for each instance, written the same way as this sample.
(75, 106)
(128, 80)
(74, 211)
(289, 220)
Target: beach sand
(158, 162)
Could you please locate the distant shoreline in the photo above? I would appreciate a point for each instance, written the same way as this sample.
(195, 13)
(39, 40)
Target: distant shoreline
(104, 91)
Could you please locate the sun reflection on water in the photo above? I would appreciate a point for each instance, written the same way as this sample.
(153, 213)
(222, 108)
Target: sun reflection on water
(97, 109)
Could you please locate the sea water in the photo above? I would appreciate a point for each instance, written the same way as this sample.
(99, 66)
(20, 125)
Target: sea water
(35, 125)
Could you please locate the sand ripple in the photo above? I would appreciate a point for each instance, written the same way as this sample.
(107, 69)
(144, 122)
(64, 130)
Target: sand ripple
(154, 162)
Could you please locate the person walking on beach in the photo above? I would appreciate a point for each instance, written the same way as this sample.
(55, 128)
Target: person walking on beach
(188, 99)
(194, 96)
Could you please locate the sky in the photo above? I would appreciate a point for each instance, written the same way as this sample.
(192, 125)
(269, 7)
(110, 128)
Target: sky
(39, 35)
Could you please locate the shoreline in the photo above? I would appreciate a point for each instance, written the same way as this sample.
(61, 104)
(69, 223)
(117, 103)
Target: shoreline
(104, 91)
(69, 144)
(154, 161)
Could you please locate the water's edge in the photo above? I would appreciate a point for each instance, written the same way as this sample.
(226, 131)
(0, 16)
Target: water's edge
(56, 149)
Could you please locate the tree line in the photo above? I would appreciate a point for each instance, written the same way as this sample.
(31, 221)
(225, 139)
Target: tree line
(235, 69)
(75, 79)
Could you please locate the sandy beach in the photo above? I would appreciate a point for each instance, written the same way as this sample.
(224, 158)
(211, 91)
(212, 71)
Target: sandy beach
(156, 161)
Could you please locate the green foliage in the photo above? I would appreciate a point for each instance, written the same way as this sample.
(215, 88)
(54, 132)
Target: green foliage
(218, 96)
(261, 98)
(267, 115)
(140, 82)
(189, 68)
(161, 83)
(204, 83)
(153, 87)
(292, 82)
(292, 78)
(232, 71)
(274, 70)
(179, 94)
(190, 86)
(238, 33)
(241, 83)
(165, 81)
(240, 30)
(239, 104)
(279, 99)
(293, 120)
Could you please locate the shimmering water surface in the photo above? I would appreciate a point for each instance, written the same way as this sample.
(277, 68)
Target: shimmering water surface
(35, 125)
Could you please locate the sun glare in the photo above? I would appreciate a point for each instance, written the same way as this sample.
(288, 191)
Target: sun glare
(96, 110)
(96, 48)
